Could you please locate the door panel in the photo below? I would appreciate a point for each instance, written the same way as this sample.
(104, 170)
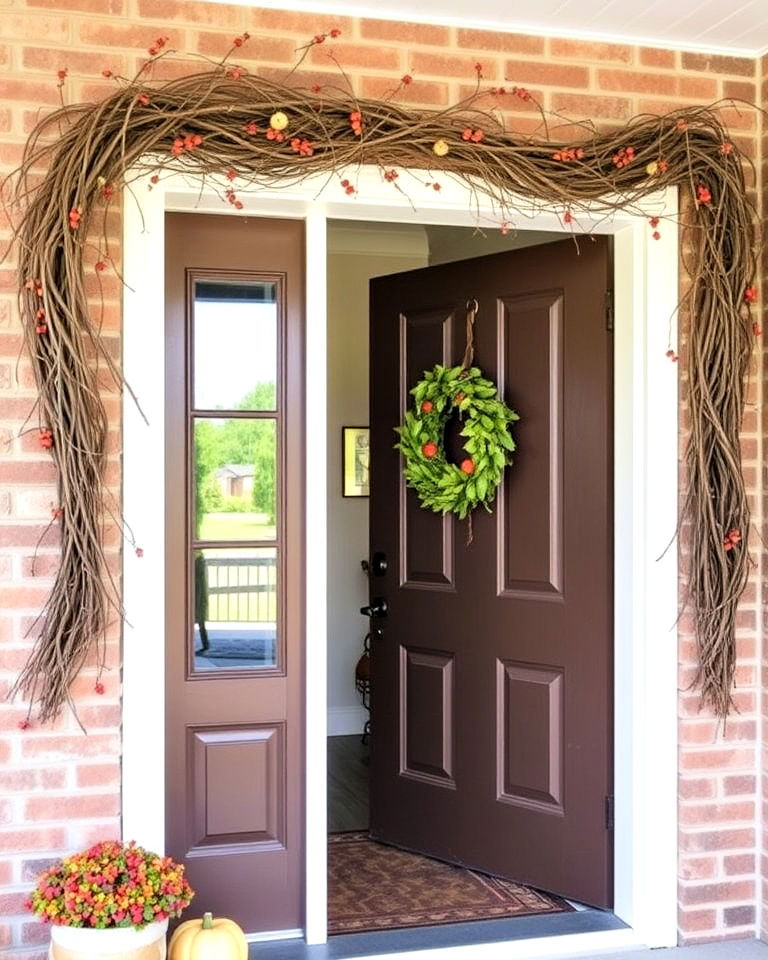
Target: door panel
(234, 582)
(492, 692)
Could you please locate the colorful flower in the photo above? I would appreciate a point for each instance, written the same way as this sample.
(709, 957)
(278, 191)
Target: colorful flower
(111, 885)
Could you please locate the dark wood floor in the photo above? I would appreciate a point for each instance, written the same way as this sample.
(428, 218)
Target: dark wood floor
(347, 784)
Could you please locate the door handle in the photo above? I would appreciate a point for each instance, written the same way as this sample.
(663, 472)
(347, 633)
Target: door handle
(377, 608)
(378, 564)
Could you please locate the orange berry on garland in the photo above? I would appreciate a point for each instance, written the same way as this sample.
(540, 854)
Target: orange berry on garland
(429, 450)
(468, 467)
(427, 406)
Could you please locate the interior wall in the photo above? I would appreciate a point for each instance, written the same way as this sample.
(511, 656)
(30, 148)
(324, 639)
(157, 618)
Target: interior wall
(356, 253)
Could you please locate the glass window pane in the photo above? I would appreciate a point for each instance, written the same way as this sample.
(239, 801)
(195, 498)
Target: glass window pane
(235, 476)
(235, 345)
(235, 608)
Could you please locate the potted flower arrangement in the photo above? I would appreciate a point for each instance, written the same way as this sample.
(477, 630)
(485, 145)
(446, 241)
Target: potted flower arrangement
(112, 898)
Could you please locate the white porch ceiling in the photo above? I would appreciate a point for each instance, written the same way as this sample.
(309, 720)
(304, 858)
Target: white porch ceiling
(731, 27)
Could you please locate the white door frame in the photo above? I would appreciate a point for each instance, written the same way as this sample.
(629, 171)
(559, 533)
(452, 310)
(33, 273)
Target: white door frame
(646, 496)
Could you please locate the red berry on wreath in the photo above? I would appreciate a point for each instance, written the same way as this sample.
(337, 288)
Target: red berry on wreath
(427, 406)
(459, 398)
(429, 450)
(468, 466)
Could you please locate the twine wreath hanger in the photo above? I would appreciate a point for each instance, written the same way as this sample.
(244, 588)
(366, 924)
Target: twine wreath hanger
(234, 127)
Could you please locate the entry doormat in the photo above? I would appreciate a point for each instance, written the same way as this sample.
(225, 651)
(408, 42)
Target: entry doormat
(375, 887)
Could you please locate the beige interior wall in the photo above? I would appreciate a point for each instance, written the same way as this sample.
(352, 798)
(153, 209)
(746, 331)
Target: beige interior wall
(356, 252)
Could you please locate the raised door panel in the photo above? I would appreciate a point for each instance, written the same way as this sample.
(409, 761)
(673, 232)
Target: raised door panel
(426, 539)
(426, 716)
(237, 796)
(530, 514)
(530, 735)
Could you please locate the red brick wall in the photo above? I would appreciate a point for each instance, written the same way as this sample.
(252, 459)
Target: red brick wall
(61, 789)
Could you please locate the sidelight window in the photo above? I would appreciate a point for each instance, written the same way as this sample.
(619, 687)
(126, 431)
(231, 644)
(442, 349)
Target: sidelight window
(234, 437)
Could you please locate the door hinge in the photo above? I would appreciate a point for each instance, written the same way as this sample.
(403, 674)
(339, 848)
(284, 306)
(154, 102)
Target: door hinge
(610, 808)
(609, 311)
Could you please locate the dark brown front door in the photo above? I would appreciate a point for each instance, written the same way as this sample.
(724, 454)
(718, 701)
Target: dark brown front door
(234, 583)
(492, 673)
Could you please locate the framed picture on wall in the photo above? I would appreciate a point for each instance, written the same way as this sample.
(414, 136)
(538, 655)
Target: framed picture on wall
(355, 461)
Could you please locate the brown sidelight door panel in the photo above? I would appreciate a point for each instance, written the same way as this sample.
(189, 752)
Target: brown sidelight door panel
(492, 670)
(234, 581)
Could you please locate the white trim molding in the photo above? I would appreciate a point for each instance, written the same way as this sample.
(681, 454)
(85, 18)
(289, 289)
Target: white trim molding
(646, 488)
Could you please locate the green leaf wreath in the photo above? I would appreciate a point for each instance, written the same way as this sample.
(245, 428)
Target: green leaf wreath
(447, 487)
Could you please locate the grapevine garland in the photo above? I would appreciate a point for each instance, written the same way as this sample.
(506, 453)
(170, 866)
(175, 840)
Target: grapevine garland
(235, 128)
(442, 486)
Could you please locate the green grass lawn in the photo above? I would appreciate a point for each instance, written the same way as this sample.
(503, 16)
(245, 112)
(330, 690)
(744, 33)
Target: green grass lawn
(236, 526)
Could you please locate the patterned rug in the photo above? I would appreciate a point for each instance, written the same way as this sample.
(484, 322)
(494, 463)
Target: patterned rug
(374, 887)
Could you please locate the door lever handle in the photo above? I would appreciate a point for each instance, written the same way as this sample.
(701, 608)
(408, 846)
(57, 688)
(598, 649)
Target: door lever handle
(377, 608)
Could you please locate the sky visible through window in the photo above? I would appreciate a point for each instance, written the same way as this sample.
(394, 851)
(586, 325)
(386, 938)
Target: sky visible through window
(235, 349)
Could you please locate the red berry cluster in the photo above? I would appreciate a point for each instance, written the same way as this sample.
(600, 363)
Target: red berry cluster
(672, 356)
(349, 188)
(62, 75)
(277, 135)
(303, 147)
(157, 46)
(726, 148)
(406, 80)
(734, 537)
(623, 157)
(231, 196)
(143, 100)
(107, 73)
(473, 136)
(107, 191)
(239, 41)
(567, 217)
(703, 194)
(654, 222)
(41, 326)
(390, 175)
(322, 37)
(568, 154)
(235, 73)
(750, 294)
(34, 284)
(100, 265)
(356, 122)
(251, 128)
(186, 143)
(521, 93)
(46, 438)
(75, 216)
